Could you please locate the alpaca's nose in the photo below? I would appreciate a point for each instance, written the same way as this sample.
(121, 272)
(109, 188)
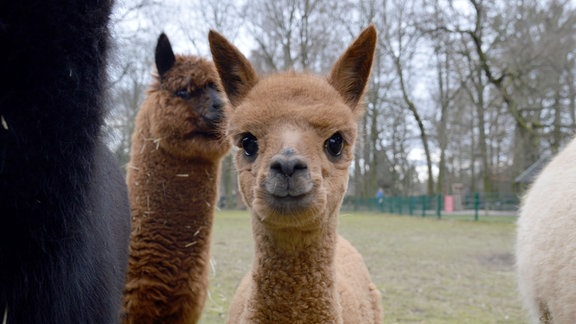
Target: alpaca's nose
(287, 165)
(216, 99)
(288, 175)
(213, 113)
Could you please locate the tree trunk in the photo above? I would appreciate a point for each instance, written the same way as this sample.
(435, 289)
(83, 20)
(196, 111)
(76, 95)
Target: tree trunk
(423, 136)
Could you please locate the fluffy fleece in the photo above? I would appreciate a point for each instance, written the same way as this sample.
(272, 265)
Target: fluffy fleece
(546, 242)
(173, 186)
(295, 135)
(64, 213)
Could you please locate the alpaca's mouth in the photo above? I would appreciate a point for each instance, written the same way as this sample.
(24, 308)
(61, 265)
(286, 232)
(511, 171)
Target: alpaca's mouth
(290, 187)
(287, 199)
(290, 212)
(288, 194)
(201, 134)
(207, 128)
(288, 204)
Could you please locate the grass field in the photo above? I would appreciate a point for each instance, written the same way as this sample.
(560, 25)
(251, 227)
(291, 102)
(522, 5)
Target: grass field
(428, 270)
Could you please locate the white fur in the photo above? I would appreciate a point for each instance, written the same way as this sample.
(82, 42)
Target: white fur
(546, 243)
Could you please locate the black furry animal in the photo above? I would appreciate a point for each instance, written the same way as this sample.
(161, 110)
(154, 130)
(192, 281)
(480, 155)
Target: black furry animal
(64, 213)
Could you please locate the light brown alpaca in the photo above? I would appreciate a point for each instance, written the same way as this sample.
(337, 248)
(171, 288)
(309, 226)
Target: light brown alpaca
(172, 180)
(295, 135)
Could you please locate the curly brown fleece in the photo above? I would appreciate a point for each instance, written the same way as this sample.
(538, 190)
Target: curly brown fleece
(173, 186)
(295, 135)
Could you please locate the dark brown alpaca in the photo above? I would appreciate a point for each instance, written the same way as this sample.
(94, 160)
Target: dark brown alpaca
(295, 135)
(173, 185)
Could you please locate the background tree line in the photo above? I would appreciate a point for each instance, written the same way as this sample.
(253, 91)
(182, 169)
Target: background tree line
(469, 92)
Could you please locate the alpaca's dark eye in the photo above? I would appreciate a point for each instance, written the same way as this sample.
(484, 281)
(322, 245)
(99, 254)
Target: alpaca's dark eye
(211, 85)
(182, 93)
(334, 145)
(249, 144)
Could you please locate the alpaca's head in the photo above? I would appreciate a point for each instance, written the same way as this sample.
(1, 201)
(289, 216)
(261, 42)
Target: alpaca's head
(187, 105)
(294, 132)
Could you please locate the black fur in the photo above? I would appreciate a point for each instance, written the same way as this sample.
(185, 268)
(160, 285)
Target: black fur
(64, 213)
(164, 55)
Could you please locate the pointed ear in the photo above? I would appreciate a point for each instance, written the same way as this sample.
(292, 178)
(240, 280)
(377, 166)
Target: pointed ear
(350, 73)
(236, 73)
(164, 56)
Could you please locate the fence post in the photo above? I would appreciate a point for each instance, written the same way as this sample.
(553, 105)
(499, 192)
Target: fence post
(476, 205)
(439, 206)
(424, 205)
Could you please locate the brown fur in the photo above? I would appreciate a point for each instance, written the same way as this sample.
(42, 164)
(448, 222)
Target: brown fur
(172, 180)
(303, 271)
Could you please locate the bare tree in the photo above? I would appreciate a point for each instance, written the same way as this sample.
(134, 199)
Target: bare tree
(498, 76)
(293, 34)
(400, 42)
(131, 69)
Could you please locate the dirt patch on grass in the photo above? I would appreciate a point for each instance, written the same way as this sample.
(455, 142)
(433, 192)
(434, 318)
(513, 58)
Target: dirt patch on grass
(498, 261)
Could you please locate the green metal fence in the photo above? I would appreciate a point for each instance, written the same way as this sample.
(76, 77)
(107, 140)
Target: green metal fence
(474, 205)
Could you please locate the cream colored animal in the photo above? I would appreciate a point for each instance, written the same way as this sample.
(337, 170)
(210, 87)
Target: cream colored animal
(546, 243)
(295, 135)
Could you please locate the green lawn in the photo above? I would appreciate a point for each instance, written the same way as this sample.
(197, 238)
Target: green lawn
(428, 270)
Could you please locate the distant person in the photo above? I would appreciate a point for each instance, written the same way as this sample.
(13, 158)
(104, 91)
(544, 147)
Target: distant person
(380, 195)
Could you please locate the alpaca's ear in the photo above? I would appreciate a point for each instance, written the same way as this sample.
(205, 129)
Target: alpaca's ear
(237, 74)
(350, 73)
(164, 56)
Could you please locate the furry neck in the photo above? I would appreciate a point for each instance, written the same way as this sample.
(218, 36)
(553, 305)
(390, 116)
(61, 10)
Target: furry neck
(172, 207)
(176, 197)
(293, 273)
